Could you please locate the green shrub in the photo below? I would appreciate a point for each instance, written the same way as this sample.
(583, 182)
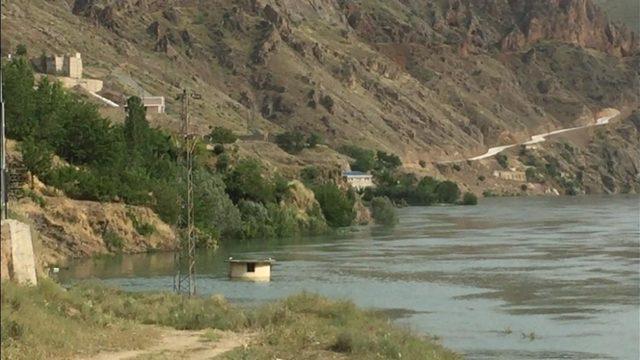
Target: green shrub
(218, 149)
(456, 167)
(343, 343)
(113, 241)
(383, 211)
(365, 160)
(447, 192)
(221, 135)
(314, 140)
(502, 160)
(246, 182)
(469, 199)
(422, 163)
(482, 178)
(336, 206)
(292, 142)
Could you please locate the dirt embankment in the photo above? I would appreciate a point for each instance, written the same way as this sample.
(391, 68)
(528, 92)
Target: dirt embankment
(69, 228)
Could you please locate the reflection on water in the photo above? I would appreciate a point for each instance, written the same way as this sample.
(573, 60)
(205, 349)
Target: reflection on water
(519, 278)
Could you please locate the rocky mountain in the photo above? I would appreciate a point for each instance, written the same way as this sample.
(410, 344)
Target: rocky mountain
(428, 80)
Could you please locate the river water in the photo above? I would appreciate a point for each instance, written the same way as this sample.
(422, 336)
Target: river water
(511, 278)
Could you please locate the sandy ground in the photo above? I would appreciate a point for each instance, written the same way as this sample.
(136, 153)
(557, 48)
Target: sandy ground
(183, 344)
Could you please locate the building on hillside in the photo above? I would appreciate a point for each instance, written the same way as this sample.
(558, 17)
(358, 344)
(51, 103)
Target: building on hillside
(67, 65)
(512, 175)
(358, 180)
(154, 104)
(252, 270)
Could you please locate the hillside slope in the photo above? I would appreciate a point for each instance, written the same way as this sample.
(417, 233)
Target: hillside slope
(428, 80)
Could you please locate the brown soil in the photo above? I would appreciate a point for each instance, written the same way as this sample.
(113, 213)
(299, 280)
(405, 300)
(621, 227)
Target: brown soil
(183, 344)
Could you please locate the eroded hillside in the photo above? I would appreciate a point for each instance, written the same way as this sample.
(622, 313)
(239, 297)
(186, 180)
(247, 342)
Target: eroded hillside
(429, 80)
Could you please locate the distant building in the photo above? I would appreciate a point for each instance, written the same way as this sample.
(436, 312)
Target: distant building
(154, 103)
(67, 65)
(512, 175)
(358, 180)
(252, 270)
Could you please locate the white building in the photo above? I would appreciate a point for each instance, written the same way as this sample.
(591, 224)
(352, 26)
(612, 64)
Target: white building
(358, 180)
(252, 270)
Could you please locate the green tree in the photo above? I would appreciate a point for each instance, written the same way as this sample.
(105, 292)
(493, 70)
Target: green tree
(136, 126)
(215, 213)
(470, 199)
(365, 159)
(21, 50)
(292, 142)
(246, 182)
(36, 157)
(19, 98)
(447, 192)
(314, 140)
(383, 211)
(221, 135)
(336, 206)
(387, 161)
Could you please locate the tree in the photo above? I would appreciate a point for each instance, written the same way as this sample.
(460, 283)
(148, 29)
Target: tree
(246, 182)
(365, 159)
(383, 211)
(136, 126)
(291, 142)
(387, 161)
(470, 199)
(215, 213)
(314, 140)
(447, 192)
(19, 98)
(21, 50)
(337, 207)
(36, 157)
(221, 135)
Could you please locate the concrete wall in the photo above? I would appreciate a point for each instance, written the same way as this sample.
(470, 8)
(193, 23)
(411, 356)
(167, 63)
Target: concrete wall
(91, 85)
(360, 182)
(239, 271)
(18, 260)
(511, 175)
(73, 66)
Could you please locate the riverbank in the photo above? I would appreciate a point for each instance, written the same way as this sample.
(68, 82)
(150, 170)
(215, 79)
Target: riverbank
(93, 321)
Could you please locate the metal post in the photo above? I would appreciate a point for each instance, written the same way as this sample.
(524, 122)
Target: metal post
(5, 187)
(185, 260)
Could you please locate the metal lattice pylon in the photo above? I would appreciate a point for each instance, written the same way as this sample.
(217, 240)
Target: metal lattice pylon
(184, 281)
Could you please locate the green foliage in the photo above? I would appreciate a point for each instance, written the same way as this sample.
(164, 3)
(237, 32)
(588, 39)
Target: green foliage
(214, 211)
(422, 163)
(310, 174)
(18, 81)
(447, 192)
(142, 228)
(246, 182)
(221, 135)
(469, 199)
(113, 241)
(502, 160)
(387, 161)
(365, 160)
(314, 140)
(336, 206)
(222, 163)
(294, 142)
(21, 50)
(383, 211)
(37, 158)
(218, 149)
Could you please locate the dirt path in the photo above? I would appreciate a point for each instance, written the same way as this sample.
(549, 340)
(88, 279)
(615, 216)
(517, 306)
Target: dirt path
(535, 139)
(183, 344)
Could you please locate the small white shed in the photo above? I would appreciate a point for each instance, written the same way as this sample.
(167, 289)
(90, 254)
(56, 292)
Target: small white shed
(252, 270)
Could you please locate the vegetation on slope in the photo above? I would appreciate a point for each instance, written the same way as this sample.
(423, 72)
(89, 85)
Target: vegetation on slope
(49, 322)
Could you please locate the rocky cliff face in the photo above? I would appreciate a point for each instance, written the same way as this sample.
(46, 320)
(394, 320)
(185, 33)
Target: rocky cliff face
(428, 80)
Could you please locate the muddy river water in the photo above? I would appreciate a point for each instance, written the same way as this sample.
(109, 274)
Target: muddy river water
(511, 278)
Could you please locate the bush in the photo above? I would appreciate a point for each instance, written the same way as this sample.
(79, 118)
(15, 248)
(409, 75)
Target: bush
(221, 135)
(314, 140)
(245, 182)
(218, 149)
(113, 241)
(343, 343)
(469, 199)
(422, 163)
(383, 211)
(481, 178)
(336, 206)
(365, 159)
(456, 167)
(447, 192)
(502, 160)
(291, 142)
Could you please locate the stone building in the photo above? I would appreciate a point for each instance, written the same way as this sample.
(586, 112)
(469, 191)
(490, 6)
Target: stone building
(154, 103)
(512, 175)
(358, 180)
(67, 65)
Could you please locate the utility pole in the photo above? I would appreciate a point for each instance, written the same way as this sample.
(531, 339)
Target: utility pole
(184, 281)
(5, 186)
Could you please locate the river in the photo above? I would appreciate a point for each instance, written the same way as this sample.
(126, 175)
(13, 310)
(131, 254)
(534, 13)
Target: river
(511, 278)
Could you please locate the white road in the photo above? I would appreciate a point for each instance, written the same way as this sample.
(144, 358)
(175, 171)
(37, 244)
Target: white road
(535, 139)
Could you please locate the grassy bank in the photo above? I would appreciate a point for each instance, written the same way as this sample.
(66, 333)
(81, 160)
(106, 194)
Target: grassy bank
(48, 322)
